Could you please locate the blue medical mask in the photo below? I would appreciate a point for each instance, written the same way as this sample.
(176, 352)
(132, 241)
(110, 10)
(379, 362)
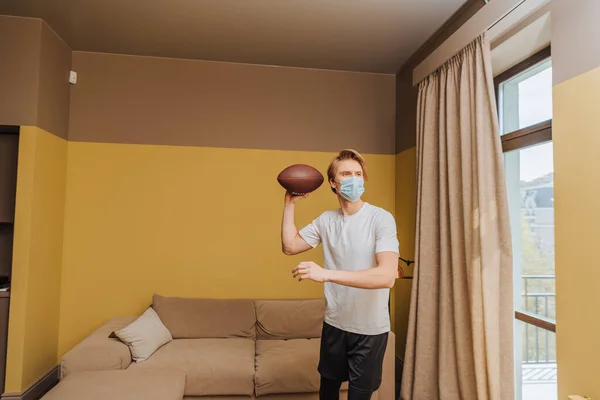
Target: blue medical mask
(352, 188)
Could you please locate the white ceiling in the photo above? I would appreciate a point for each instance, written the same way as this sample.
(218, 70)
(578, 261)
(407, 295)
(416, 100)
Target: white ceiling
(353, 35)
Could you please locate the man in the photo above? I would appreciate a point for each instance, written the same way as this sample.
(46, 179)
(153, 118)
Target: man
(360, 252)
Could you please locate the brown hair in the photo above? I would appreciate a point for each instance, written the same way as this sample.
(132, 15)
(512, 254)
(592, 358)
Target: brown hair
(346, 154)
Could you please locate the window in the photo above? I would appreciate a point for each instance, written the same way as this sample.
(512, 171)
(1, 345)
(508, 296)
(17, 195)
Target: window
(524, 95)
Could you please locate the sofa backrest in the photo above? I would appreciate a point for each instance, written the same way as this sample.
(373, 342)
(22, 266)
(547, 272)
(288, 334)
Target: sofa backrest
(197, 318)
(289, 319)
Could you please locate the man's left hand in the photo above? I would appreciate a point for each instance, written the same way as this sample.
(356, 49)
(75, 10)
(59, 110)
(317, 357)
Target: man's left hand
(310, 270)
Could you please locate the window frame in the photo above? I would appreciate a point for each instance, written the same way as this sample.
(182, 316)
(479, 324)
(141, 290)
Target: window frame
(532, 135)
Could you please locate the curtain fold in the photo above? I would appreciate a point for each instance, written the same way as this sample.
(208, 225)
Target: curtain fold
(460, 333)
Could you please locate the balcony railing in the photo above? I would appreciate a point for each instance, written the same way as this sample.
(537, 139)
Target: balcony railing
(540, 346)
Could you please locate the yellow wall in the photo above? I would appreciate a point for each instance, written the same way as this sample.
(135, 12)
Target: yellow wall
(183, 221)
(405, 219)
(577, 220)
(38, 245)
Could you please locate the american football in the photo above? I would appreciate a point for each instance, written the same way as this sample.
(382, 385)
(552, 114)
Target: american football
(300, 179)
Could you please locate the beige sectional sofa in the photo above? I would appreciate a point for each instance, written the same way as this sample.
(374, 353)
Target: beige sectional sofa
(221, 349)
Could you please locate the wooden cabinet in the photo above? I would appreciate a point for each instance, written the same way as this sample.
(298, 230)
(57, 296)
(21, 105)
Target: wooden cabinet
(6, 243)
(9, 145)
(9, 150)
(4, 309)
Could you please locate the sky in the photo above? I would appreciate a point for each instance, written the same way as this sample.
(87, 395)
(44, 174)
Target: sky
(535, 105)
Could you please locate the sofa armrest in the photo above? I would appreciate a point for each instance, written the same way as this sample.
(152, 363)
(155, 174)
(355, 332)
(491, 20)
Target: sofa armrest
(98, 351)
(387, 390)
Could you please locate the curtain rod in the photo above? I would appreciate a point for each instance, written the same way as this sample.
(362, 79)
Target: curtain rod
(505, 15)
(489, 16)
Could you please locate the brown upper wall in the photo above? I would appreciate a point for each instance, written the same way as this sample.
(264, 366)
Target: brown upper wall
(406, 114)
(54, 86)
(19, 70)
(146, 100)
(34, 75)
(575, 30)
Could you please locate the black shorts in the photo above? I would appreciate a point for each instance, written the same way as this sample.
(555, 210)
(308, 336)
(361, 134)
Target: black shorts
(346, 356)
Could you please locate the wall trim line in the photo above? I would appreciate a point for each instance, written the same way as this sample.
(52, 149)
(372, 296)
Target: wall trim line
(38, 388)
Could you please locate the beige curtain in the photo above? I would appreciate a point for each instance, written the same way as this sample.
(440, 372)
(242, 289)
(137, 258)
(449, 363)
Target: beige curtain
(460, 333)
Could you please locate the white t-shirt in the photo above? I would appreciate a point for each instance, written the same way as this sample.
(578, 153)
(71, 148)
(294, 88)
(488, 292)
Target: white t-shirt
(350, 243)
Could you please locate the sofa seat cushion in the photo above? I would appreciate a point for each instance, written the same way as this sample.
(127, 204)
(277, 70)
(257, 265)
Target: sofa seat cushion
(212, 366)
(287, 366)
(283, 396)
(120, 385)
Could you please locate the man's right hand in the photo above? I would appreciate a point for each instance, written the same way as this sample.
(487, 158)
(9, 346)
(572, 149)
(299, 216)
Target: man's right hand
(293, 199)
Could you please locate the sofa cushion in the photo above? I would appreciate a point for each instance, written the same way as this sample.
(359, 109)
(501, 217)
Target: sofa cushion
(289, 319)
(212, 366)
(120, 385)
(287, 366)
(283, 396)
(191, 318)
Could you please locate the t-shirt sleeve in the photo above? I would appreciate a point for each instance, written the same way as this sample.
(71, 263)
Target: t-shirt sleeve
(311, 233)
(386, 238)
